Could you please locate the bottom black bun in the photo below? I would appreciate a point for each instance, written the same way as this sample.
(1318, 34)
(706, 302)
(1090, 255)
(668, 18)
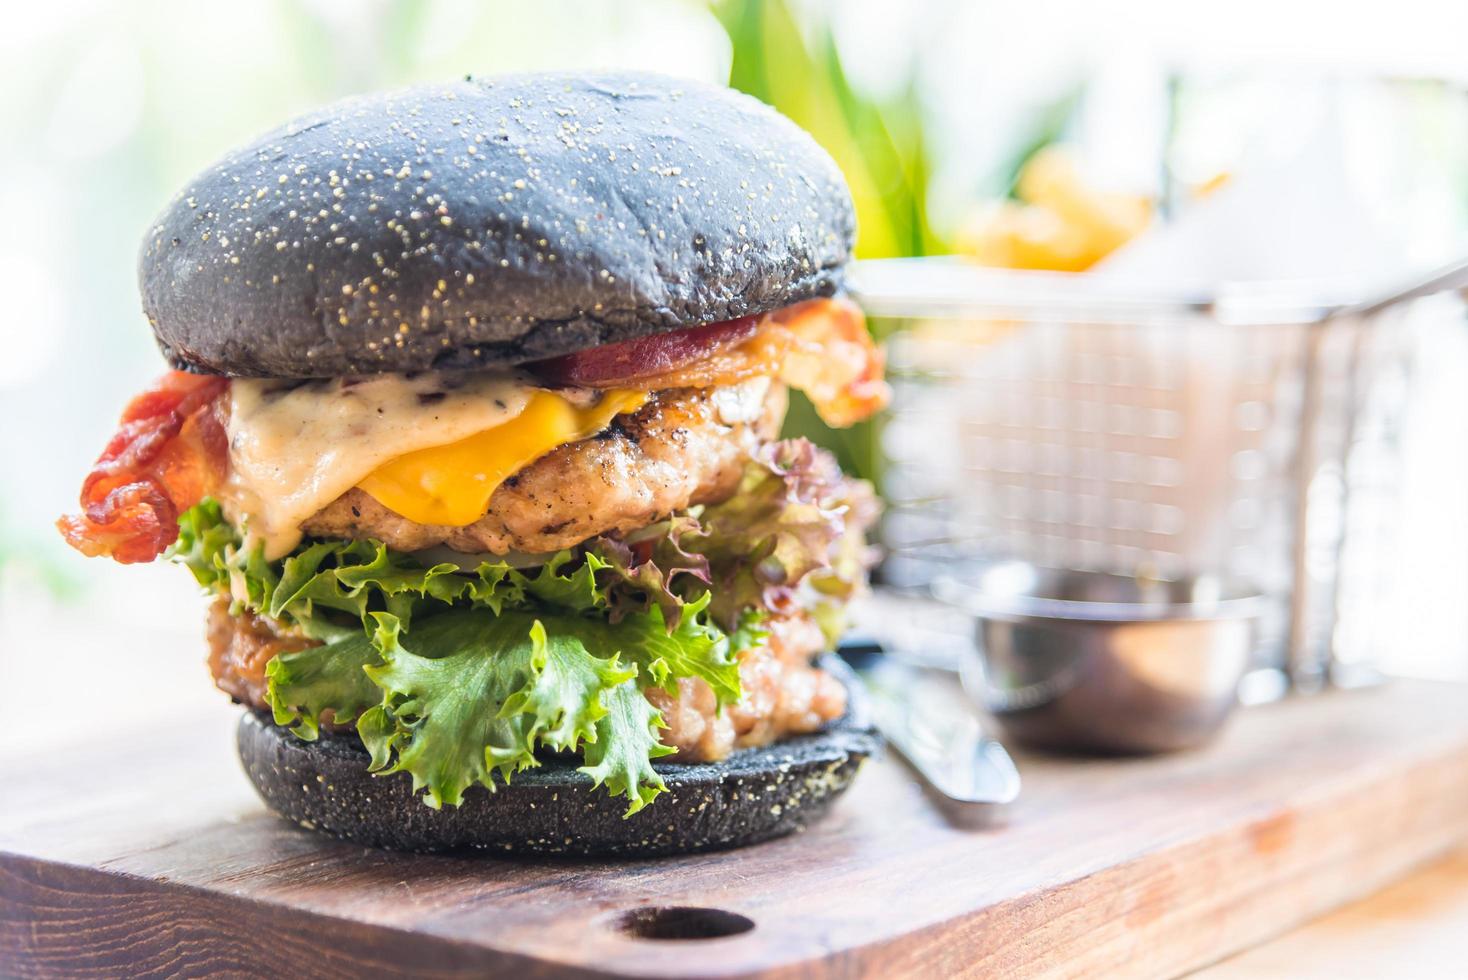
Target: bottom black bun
(753, 795)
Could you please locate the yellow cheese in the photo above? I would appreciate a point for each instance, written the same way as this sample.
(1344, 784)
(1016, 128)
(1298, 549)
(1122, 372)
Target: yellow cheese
(452, 484)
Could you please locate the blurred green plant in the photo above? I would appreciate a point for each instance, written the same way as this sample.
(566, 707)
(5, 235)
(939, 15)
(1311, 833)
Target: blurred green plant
(880, 146)
(794, 64)
(36, 554)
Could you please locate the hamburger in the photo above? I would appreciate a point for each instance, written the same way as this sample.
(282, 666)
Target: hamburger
(472, 437)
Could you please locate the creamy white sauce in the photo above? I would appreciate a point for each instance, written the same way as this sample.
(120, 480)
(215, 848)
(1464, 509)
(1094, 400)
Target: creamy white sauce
(296, 447)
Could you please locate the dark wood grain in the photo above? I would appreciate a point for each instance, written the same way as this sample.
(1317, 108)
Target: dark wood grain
(151, 855)
(58, 919)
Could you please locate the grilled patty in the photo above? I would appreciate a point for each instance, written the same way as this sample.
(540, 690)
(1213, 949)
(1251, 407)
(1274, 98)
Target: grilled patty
(685, 446)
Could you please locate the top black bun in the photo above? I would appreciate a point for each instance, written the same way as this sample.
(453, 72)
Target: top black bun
(492, 221)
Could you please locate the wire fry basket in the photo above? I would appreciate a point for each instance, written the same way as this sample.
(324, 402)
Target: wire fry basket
(1048, 419)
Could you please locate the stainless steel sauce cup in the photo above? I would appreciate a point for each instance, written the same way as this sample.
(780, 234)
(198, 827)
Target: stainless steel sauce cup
(1094, 662)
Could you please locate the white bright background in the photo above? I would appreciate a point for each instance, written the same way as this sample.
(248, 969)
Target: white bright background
(108, 106)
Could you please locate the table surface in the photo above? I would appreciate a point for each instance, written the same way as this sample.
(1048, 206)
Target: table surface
(1417, 927)
(152, 850)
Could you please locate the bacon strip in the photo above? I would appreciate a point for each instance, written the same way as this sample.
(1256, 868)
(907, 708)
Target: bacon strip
(627, 363)
(830, 356)
(820, 346)
(170, 451)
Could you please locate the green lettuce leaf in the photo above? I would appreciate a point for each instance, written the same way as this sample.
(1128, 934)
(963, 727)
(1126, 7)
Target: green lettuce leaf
(303, 686)
(791, 523)
(210, 548)
(471, 695)
(620, 757)
(445, 703)
(565, 697)
(652, 567)
(693, 648)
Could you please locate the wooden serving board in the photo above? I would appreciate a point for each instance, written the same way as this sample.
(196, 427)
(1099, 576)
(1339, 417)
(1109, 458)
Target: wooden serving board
(151, 855)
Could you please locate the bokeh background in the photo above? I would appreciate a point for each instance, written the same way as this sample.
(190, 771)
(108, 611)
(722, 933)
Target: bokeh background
(1349, 121)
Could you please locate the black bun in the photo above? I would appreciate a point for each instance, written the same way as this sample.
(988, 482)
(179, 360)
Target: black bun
(752, 796)
(492, 221)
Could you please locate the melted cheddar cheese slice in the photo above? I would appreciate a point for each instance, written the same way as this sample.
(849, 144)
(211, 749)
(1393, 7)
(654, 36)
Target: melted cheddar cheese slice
(452, 484)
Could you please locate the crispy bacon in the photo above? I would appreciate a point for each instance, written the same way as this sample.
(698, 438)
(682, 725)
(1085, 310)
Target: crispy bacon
(626, 364)
(170, 451)
(820, 346)
(830, 356)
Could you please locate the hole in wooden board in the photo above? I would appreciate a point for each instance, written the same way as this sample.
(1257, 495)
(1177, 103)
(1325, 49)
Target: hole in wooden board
(681, 922)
